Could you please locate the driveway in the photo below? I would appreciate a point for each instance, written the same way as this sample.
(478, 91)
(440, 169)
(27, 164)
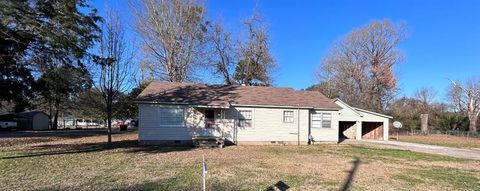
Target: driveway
(431, 149)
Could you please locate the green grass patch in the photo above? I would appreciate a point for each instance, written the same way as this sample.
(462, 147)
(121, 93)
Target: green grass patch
(444, 144)
(366, 152)
(451, 178)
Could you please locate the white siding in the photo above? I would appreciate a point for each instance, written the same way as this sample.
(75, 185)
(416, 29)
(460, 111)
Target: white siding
(347, 114)
(326, 134)
(268, 125)
(149, 128)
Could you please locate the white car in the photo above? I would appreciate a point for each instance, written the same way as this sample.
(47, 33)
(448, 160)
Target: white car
(8, 124)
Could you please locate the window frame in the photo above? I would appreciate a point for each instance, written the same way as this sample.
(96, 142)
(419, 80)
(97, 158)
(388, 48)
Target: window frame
(329, 121)
(290, 117)
(176, 116)
(322, 121)
(244, 120)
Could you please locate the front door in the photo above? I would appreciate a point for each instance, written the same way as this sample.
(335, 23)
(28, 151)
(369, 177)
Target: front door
(209, 119)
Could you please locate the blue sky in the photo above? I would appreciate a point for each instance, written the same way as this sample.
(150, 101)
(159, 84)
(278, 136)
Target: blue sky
(443, 42)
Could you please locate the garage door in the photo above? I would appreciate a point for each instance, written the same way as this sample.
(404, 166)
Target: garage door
(372, 130)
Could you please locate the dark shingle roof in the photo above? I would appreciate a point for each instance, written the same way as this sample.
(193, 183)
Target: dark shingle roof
(226, 95)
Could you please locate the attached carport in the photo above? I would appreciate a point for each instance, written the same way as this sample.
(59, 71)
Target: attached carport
(355, 123)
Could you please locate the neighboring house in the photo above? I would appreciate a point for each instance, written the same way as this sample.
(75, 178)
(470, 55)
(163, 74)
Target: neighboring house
(33, 120)
(9, 120)
(173, 113)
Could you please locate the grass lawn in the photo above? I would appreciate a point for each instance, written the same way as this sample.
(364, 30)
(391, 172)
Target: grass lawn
(85, 163)
(442, 140)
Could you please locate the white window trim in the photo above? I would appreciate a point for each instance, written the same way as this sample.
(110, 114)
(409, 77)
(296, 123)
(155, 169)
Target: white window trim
(321, 120)
(240, 117)
(184, 120)
(292, 117)
(325, 120)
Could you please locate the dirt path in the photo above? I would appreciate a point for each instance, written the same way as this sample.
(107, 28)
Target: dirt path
(431, 149)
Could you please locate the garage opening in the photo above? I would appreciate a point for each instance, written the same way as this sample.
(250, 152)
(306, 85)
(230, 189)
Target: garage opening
(372, 130)
(346, 130)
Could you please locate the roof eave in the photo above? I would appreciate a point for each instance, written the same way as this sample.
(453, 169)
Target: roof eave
(374, 113)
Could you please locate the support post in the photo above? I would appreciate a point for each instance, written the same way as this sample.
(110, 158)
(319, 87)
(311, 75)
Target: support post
(386, 128)
(359, 130)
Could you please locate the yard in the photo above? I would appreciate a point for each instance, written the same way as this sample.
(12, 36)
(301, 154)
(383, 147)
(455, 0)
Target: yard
(83, 162)
(442, 140)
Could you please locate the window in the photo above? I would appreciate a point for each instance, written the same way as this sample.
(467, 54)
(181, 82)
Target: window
(316, 120)
(326, 120)
(245, 118)
(172, 117)
(288, 116)
(321, 120)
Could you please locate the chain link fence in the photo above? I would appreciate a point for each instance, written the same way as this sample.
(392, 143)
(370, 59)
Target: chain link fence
(458, 133)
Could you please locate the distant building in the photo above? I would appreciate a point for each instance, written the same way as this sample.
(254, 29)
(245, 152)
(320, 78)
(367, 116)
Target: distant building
(33, 120)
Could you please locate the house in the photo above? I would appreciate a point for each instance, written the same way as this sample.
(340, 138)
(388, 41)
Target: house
(173, 113)
(33, 120)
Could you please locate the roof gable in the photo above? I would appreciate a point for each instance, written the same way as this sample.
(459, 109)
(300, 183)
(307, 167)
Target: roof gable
(358, 111)
(347, 107)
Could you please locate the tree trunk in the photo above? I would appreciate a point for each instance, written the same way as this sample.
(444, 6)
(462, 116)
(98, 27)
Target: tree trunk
(424, 123)
(472, 127)
(109, 121)
(50, 114)
(55, 120)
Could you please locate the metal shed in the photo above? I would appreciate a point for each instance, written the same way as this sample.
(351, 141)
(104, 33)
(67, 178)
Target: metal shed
(33, 120)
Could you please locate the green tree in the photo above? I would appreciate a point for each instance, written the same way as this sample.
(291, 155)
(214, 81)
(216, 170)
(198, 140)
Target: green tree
(256, 62)
(59, 87)
(127, 108)
(36, 34)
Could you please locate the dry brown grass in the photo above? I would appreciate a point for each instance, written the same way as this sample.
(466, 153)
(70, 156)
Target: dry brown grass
(86, 163)
(443, 140)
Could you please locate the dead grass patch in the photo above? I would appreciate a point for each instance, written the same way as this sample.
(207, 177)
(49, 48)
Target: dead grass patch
(443, 140)
(87, 163)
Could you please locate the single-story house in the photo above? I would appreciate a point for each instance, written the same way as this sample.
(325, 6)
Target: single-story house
(173, 113)
(33, 120)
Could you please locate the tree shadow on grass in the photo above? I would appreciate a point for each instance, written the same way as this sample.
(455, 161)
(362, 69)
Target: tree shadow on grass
(280, 185)
(351, 174)
(128, 146)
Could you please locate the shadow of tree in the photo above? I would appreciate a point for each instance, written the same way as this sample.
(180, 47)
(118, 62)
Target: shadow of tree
(64, 133)
(351, 174)
(198, 94)
(280, 185)
(129, 146)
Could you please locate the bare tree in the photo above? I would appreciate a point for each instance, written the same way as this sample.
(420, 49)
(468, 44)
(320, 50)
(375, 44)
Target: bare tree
(256, 62)
(173, 34)
(223, 52)
(465, 97)
(115, 60)
(360, 66)
(425, 95)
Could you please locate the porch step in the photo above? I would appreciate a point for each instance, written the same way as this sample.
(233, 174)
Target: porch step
(208, 142)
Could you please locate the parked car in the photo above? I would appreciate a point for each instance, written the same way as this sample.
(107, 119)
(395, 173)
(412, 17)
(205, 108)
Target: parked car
(8, 125)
